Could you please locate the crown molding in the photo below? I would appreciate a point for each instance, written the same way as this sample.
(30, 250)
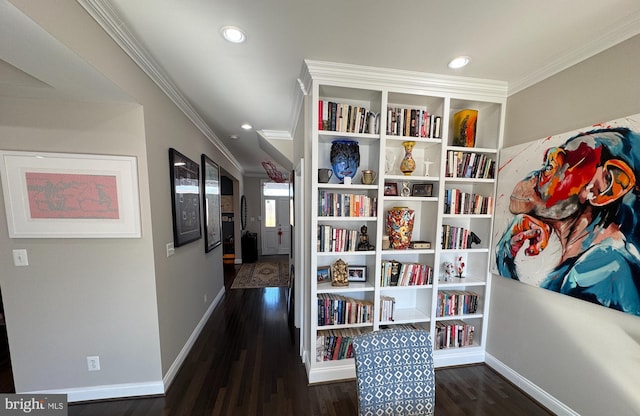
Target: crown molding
(619, 32)
(366, 76)
(107, 17)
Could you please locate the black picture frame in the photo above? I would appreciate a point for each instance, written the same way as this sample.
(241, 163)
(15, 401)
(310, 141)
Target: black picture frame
(185, 198)
(422, 189)
(211, 203)
(357, 273)
(390, 189)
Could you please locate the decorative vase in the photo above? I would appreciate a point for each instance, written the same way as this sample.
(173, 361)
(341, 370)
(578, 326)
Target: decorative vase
(408, 165)
(345, 158)
(399, 227)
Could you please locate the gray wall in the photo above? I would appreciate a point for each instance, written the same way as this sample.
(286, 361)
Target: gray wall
(586, 356)
(121, 299)
(79, 297)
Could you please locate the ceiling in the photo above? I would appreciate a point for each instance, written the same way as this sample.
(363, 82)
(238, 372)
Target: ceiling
(222, 85)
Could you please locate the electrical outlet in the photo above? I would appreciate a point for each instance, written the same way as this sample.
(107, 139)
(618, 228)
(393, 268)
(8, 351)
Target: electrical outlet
(93, 363)
(170, 250)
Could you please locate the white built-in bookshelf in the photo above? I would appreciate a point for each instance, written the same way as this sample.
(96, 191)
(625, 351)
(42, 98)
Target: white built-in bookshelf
(460, 202)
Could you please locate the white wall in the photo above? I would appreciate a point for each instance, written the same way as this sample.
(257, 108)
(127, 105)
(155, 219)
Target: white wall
(178, 283)
(584, 355)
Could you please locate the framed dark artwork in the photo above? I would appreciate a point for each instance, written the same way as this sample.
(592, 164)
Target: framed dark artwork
(211, 203)
(357, 273)
(185, 194)
(422, 189)
(391, 189)
(324, 274)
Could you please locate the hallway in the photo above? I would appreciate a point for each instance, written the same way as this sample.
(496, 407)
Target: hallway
(245, 362)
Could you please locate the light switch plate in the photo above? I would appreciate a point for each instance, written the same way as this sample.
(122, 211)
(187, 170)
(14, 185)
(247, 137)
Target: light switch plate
(20, 257)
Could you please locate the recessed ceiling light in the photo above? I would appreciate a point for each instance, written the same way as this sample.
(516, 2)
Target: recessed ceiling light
(246, 126)
(459, 62)
(234, 137)
(233, 34)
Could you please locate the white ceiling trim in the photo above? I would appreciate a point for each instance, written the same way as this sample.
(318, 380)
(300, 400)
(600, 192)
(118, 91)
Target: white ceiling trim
(620, 31)
(111, 22)
(365, 76)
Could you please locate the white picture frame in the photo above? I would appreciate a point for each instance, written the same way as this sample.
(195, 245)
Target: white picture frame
(65, 195)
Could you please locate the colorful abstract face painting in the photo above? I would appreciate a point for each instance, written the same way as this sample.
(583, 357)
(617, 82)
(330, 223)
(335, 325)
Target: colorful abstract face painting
(571, 224)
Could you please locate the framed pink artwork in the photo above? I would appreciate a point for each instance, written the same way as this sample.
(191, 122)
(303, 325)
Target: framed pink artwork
(63, 195)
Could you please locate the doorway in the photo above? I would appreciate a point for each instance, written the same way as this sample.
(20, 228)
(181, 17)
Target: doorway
(275, 227)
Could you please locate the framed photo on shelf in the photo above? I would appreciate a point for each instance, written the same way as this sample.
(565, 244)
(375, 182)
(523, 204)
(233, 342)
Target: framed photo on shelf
(211, 204)
(357, 273)
(67, 195)
(324, 274)
(390, 189)
(422, 189)
(185, 194)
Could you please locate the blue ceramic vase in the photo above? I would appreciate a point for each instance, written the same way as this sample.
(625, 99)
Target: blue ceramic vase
(345, 158)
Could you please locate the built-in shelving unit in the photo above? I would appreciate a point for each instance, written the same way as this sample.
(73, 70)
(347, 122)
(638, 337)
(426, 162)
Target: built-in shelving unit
(458, 338)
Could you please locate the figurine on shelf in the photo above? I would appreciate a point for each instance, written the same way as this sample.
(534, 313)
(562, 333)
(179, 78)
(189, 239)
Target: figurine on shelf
(427, 165)
(473, 239)
(339, 273)
(363, 240)
(449, 271)
(389, 162)
(459, 266)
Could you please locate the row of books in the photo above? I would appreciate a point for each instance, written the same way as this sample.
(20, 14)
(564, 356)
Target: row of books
(453, 334)
(346, 118)
(331, 204)
(387, 307)
(395, 273)
(456, 302)
(459, 202)
(469, 165)
(336, 344)
(413, 122)
(336, 240)
(455, 238)
(336, 309)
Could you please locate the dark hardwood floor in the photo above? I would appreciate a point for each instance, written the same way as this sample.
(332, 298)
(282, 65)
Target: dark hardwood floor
(246, 362)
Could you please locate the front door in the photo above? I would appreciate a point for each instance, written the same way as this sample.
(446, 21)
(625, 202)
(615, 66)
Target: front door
(276, 238)
(276, 229)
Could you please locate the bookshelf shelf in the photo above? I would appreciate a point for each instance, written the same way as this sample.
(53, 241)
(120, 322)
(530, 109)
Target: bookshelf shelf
(403, 108)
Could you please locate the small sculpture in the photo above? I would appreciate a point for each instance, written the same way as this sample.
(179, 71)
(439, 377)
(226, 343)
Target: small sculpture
(460, 266)
(363, 240)
(339, 273)
(449, 271)
(427, 165)
(389, 162)
(473, 239)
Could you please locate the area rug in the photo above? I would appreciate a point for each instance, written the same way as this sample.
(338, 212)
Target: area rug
(261, 274)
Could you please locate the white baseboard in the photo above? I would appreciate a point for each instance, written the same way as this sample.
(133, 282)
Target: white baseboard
(113, 391)
(530, 388)
(151, 388)
(177, 363)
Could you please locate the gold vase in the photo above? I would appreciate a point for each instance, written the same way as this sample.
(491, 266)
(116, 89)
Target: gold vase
(408, 165)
